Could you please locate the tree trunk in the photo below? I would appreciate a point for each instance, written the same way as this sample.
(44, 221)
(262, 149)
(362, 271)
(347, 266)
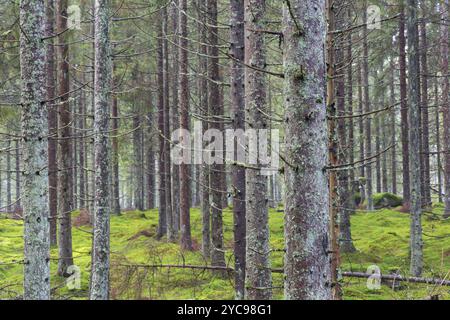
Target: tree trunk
(393, 131)
(102, 87)
(216, 111)
(438, 139)
(445, 107)
(307, 261)
(426, 183)
(404, 111)
(162, 212)
(185, 181)
(258, 274)
(115, 151)
(414, 140)
(367, 108)
(204, 96)
(237, 92)
(52, 125)
(65, 144)
(35, 144)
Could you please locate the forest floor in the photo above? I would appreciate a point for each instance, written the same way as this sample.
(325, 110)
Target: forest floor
(381, 238)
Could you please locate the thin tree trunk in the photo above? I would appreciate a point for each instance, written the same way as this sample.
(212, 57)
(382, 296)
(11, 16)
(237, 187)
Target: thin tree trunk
(416, 242)
(216, 111)
(204, 97)
(393, 131)
(438, 139)
(307, 261)
(8, 176)
(445, 106)
(185, 181)
(258, 275)
(367, 108)
(404, 111)
(162, 212)
(115, 151)
(35, 131)
(237, 93)
(102, 87)
(65, 144)
(426, 183)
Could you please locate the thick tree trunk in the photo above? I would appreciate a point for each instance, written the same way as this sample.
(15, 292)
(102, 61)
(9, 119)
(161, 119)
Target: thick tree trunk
(35, 147)
(237, 93)
(82, 152)
(102, 87)
(307, 261)
(65, 144)
(258, 275)
(416, 243)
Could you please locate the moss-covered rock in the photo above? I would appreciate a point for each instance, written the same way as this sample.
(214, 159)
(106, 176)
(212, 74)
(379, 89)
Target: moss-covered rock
(386, 200)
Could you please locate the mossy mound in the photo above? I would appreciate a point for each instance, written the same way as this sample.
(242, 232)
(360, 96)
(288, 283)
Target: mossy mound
(386, 200)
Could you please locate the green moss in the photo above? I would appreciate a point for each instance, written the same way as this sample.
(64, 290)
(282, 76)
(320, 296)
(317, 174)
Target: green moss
(381, 238)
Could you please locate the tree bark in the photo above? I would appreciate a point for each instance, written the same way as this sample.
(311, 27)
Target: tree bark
(185, 181)
(65, 144)
(237, 92)
(258, 274)
(99, 289)
(35, 147)
(416, 243)
(307, 262)
(216, 112)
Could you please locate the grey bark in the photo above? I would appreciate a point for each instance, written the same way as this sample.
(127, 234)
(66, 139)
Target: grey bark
(258, 277)
(35, 157)
(102, 86)
(307, 261)
(416, 243)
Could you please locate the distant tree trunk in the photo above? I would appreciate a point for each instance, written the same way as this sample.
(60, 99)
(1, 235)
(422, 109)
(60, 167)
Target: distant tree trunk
(335, 103)
(8, 176)
(65, 144)
(438, 139)
(445, 106)
(426, 183)
(393, 131)
(82, 153)
(137, 151)
(362, 189)
(204, 95)
(52, 119)
(404, 110)
(384, 146)
(171, 234)
(185, 181)
(216, 112)
(174, 113)
(150, 155)
(345, 130)
(102, 87)
(367, 108)
(306, 261)
(237, 92)
(416, 242)
(162, 220)
(35, 131)
(258, 274)
(17, 158)
(115, 152)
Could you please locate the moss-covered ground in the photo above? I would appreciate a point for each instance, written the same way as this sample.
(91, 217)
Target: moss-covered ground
(381, 238)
